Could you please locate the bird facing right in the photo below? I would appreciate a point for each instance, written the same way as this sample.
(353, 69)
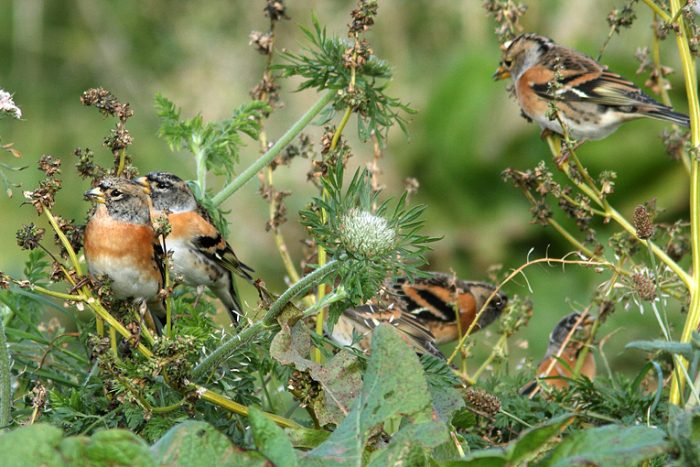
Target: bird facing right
(591, 101)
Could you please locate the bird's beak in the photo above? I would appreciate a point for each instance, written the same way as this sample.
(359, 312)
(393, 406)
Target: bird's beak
(501, 73)
(96, 195)
(143, 181)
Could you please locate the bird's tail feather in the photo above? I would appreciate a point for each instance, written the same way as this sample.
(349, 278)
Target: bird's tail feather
(666, 113)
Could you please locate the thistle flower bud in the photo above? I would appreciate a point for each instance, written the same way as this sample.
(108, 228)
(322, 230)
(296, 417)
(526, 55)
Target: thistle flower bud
(366, 235)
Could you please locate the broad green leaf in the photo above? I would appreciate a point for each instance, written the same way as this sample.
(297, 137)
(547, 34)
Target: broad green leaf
(402, 448)
(394, 386)
(271, 440)
(527, 445)
(194, 443)
(340, 377)
(610, 445)
(446, 401)
(306, 438)
(684, 431)
(481, 458)
(532, 440)
(44, 445)
(32, 445)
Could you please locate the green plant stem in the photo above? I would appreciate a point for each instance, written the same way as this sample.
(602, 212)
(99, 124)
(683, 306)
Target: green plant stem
(591, 191)
(201, 165)
(122, 162)
(235, 407)
(657, 9)
(690, 78)
(320, 318)
(66, 244)
(5, 385)
(492, 356)
(281, 143)
(226, 349)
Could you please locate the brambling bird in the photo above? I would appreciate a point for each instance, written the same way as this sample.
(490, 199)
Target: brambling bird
(559, 361)
(363, 319)
(447, 306)
(121, 243)
(426, 312)
(201, 256)
(591, 101)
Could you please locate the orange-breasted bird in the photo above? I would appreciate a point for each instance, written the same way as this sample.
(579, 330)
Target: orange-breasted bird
(200, 254)
(428, 311)
(559, 361)
(591, 101)
(121, 243)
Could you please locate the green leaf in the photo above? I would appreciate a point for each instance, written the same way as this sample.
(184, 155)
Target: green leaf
(482, 458)
(271, 440)
(109, 447)
(684, 431)
(670, 347)
(32, 445)
(394, 386)
(340, 377)
(194, 443)
(44, 445)
(610, 445)
(306, 438)
(526, 446)
(402, 448)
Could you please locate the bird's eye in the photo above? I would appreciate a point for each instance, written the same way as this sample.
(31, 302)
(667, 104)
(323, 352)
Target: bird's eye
(507, 63)
(162, 185)
(116, 193)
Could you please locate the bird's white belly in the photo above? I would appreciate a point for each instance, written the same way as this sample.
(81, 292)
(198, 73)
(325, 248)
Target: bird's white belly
(581, 130)
(127, 281)
(194, 268)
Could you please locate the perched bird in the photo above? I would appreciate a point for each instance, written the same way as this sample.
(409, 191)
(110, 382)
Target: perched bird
(591, 101)
(426, 312)
(201, 256)
(447, 305)
(120, 242)
(559, 361)
(363, 319)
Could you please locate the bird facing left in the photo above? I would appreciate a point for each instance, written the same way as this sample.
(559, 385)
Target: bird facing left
(120, 242)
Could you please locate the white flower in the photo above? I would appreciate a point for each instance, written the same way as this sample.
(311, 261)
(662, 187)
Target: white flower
(7, 105)
(364, 234)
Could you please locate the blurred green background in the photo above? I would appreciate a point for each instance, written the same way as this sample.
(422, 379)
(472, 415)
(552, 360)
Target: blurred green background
(467, 129)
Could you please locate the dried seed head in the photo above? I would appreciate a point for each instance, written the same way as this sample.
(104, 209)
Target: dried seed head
(275, 10)
(262, 41)
(482, 401)
(645, 285)
(643, 222)
(29, 236)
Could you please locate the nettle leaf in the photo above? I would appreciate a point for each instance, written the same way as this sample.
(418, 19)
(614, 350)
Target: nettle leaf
(609, 445)
(271, 440)
(394, 386)
(44, 445)
(194, 443)
(340, 377)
